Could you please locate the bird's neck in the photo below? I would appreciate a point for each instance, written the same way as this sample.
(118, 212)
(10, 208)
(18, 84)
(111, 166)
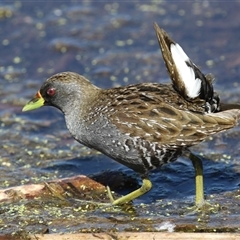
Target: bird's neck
(77, 113)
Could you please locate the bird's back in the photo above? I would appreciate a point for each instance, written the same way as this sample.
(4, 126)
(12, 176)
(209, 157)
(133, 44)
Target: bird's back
(159, 114)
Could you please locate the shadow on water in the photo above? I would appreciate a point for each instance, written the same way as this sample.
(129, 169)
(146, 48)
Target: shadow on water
(172, 181)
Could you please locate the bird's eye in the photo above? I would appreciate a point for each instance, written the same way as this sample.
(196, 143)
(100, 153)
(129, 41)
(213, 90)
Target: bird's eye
(51, 92)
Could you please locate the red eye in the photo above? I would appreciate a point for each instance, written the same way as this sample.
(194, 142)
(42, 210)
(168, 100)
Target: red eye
(51, 92)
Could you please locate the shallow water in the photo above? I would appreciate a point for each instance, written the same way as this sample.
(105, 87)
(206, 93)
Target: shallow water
(112, 44)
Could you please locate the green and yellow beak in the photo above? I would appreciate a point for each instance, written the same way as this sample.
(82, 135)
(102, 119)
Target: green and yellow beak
(36, 102)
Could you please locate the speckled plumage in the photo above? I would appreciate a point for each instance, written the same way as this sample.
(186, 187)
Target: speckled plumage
(146, 125)
(135, 124)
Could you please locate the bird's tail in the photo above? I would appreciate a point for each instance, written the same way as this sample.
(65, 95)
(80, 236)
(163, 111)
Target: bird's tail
(186, 77)
(228, 116)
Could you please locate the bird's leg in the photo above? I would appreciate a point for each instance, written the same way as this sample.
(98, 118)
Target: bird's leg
(146, 186)
(198, 167)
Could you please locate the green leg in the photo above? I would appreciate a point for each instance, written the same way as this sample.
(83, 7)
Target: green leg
(197, 164)
(146, 186)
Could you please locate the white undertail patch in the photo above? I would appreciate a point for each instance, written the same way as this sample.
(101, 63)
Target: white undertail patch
(192, 84)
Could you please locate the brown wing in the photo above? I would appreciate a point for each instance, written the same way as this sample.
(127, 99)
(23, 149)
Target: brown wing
(159, 116)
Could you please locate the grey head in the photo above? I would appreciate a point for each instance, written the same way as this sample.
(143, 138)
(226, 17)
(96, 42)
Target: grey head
(67, 91)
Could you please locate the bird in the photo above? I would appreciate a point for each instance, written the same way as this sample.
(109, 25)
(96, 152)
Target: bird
(145, 125)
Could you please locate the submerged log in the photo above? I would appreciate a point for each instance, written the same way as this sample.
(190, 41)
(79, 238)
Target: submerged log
(55, 188)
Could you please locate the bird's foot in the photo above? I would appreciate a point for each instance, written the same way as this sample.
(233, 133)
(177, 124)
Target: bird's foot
(119, 201)
(109, 192)
(146, 186)
(205, 207)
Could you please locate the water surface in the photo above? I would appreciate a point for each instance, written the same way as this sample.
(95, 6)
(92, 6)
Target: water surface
(112, 44)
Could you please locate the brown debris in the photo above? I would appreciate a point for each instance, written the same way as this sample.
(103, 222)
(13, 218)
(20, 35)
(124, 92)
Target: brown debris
(77, 184)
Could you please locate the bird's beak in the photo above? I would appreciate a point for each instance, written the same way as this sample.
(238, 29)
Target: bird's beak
(36, 102)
